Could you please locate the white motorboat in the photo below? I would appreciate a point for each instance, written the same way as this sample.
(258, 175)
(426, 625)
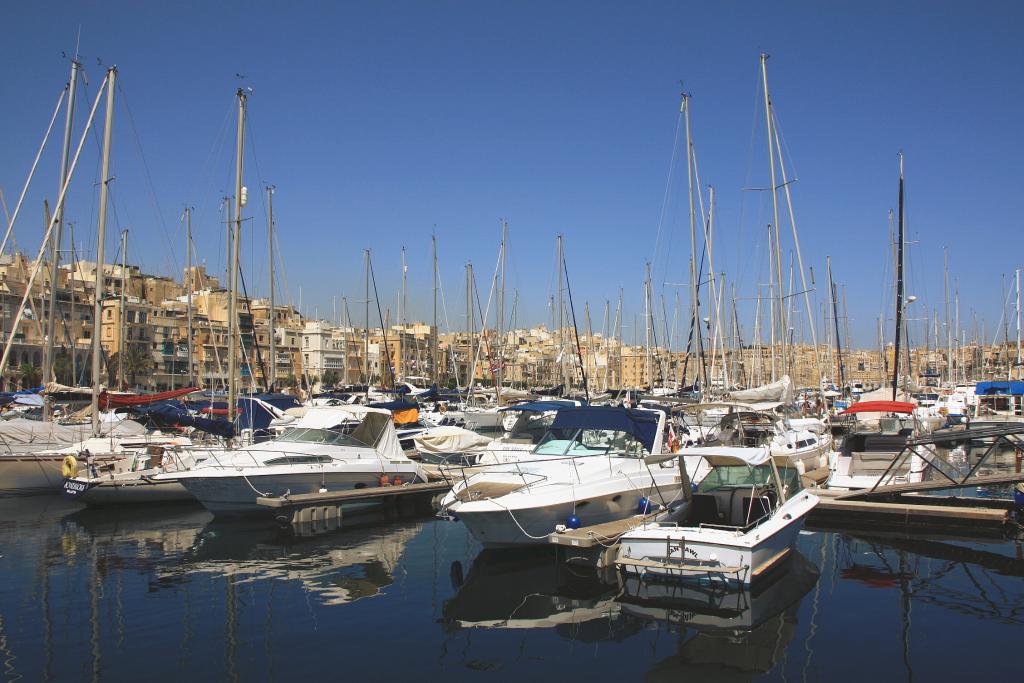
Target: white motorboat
(130, 479)
(525, 424)
(591, 467)
(868, 450)
(319, 453)
(26, 473)
(743, 520)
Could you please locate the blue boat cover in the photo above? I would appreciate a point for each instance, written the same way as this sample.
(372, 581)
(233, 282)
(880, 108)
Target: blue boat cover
(1015, 388)
(400, 404)
(643, 424)
(540, 406)
(280, 401)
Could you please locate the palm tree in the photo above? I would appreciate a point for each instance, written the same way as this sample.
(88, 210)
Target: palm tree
(135, 363)
(30, 375)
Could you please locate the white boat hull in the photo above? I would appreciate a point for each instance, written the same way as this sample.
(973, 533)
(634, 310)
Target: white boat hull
(236, 493)
(715, 554)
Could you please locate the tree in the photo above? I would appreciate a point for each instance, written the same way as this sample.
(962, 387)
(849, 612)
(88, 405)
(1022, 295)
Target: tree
(63, 370)
(30, 375)
(136, 363)
(330, 378)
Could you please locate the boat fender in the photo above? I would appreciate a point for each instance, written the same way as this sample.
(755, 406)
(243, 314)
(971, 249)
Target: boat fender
(385, 480)
(1018, 496)
(456, 575)
(643, 507)
(573, 522)
(397, 481)
(69, 467)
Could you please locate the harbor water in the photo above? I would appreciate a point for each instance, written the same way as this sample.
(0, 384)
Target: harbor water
(171, 594)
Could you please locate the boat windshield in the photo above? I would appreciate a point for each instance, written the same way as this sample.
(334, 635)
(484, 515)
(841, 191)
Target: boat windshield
(575, 442)
(530, 426)
(330, 437)
(759, 476)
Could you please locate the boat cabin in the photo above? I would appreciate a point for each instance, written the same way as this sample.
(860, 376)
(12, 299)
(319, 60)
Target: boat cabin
(740, 490)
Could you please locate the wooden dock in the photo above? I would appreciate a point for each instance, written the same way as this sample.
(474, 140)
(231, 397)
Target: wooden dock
(839, 512)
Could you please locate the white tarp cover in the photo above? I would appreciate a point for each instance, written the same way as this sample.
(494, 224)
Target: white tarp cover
(776, 391)
(451, 440)
(718, 454)
(325, 417)
(884, 394)
(22, 431)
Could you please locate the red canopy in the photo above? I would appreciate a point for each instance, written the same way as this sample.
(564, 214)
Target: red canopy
(108, 401)
(880, 407)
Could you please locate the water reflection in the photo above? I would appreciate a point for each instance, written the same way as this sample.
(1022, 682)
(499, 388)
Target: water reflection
(722, 631)
(173, 594)
(528, 588)
(334, 569)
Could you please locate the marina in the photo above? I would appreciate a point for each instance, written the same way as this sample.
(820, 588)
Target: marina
(365, 342)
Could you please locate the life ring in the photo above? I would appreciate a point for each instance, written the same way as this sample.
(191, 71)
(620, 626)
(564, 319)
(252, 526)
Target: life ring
(69, 466)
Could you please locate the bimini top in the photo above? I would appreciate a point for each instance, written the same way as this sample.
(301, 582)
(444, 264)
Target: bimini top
(325, 417)
(879, 407)
(725, 456)
(540, 406)
(643, 424)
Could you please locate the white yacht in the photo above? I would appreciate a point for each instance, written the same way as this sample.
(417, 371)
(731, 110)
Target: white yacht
(319, 453)
(589, 468)
(742, 521)
(524, 424)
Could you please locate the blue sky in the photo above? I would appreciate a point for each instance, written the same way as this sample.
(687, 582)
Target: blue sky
(379, 121)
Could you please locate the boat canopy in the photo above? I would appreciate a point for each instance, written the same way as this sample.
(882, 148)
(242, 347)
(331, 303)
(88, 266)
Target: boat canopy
(540, 406)
(879, 407)
(642, 424)
(730, 456)
(444, 440)
(1013, 388)
(325, 417)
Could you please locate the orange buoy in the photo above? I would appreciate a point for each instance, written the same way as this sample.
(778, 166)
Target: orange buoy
(384, 481)
(397, 481)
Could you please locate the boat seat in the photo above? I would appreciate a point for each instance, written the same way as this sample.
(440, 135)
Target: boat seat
(703, 509)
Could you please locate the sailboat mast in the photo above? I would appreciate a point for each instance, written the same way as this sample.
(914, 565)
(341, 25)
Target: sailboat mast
(272, 315)
(694, 285)
(124, 301)
(433, 336)
(188, 292)
(501, 315)
(234, 337)
(101, 228)
(561, 315)
(899, 286)
(1018, 321)
(780, 313)
(65, 159)
(949, 336)
(366, 321)
(835, 320)
(648, 366)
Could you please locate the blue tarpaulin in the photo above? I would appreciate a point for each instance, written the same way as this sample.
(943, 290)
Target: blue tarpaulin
(540, 406)
(1014, 388)
(643, 424)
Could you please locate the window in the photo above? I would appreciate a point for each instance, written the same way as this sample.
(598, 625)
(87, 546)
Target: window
(860, 366)
(574, 442)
